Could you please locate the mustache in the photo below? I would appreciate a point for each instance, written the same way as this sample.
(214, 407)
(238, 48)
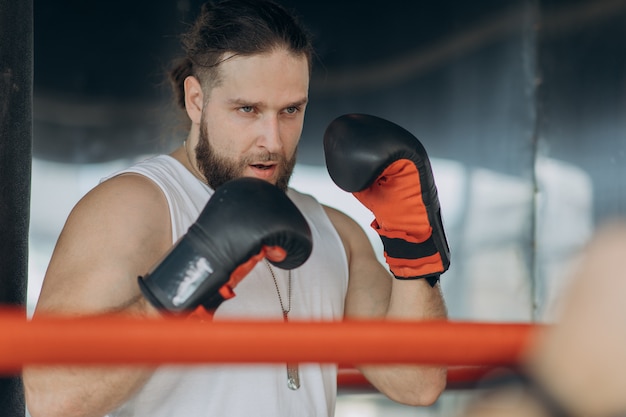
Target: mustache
(264, 157)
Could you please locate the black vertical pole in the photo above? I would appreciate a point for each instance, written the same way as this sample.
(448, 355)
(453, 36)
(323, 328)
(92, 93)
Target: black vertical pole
(16, 86)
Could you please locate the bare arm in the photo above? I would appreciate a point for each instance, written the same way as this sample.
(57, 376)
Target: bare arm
(374, 293)
(117, 232)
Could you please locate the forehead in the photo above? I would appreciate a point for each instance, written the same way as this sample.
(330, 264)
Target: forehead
(277, 75)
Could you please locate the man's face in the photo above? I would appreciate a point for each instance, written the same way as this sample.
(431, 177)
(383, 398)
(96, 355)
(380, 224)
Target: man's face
(253, 119)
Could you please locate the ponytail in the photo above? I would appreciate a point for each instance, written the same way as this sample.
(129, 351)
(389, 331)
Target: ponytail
(183, 68)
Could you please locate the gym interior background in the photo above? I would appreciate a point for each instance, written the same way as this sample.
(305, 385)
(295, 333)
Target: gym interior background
(521, 105)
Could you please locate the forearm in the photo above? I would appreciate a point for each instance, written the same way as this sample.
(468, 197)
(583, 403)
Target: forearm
(414, 385)
(411, 384)
(80, 391)
(68, 390)
(415, 299)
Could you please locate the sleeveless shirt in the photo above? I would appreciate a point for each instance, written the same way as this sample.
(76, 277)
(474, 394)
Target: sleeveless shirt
(318, 292)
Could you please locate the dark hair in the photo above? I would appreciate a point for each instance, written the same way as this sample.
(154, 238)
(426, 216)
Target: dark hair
(242, 27)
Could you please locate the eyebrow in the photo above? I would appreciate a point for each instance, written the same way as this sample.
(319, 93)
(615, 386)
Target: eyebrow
(242, 102)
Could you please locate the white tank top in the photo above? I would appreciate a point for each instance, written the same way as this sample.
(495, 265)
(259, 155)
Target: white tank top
(318, 292)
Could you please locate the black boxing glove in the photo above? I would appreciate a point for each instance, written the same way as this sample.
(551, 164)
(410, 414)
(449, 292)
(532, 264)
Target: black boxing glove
(388, 171)
(245, 220)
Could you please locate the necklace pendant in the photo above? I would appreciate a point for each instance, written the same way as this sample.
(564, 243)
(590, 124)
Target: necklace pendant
(293, 376)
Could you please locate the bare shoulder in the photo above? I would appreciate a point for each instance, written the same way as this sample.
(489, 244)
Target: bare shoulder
(113, 234)
(345, 226)
(131, 194)
(342, 222)
(351, 233)
(122, 205)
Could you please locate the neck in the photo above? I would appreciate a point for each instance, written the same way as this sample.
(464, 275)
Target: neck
(187, 156)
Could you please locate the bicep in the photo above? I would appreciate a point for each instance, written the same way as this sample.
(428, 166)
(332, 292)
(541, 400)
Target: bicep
(113, 235)
(369, 286)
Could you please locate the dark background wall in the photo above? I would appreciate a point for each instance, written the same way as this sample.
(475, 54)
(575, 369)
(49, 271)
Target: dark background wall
(16, 89)
(488, 83)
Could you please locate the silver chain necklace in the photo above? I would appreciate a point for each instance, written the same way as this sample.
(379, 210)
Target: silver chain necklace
(293, 373)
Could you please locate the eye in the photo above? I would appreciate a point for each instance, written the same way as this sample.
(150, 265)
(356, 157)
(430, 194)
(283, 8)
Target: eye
(246, 109)
(292, 110)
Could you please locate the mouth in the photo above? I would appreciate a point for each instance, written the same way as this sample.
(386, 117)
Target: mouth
(263, 167)
(265, 171)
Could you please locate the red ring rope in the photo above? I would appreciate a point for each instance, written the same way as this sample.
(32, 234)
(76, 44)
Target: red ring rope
(124, 340)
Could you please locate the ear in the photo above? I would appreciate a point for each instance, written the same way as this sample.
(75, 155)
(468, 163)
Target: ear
(194, 99)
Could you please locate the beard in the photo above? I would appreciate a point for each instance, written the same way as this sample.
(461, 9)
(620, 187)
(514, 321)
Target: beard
(218, 169)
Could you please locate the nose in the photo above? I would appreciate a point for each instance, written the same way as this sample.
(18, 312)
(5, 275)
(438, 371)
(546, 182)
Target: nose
(270, 136)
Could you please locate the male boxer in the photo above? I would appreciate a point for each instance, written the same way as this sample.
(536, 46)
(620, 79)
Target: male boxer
(243, 83)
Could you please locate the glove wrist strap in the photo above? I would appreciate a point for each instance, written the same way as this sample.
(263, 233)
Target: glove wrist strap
(431, 279)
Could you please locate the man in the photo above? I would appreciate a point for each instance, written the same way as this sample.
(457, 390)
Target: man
(244, 86)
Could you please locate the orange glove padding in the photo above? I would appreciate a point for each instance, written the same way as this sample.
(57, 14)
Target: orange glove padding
(273, 253)
(395, 198)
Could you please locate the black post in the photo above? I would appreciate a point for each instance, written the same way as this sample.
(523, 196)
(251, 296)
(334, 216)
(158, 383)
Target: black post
(16, 89)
